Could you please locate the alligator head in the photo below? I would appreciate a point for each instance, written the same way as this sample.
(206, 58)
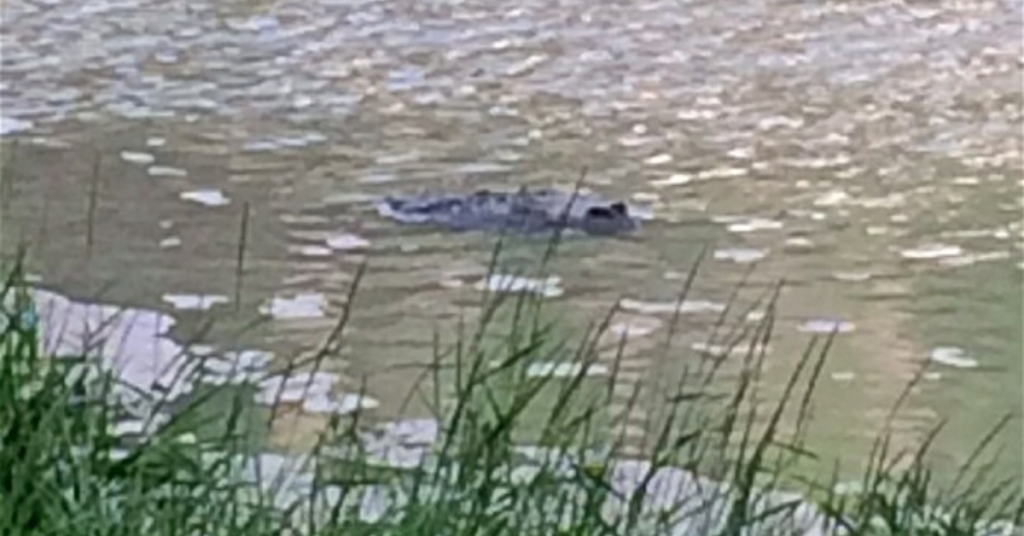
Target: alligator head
(608, 220)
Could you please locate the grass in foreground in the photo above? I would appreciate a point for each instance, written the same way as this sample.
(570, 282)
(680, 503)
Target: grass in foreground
(67, 470)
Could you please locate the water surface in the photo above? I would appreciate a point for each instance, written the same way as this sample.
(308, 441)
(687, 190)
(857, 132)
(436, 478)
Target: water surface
(867, 152)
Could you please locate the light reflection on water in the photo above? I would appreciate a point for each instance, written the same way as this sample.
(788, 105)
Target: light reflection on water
(864, 151)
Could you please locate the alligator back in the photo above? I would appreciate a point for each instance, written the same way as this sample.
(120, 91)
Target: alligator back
(528, 211)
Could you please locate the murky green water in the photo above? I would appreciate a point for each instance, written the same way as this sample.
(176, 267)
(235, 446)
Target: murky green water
(868, 152)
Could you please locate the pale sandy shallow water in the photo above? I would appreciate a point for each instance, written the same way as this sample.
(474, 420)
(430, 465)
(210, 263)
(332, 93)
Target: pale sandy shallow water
(869, 153)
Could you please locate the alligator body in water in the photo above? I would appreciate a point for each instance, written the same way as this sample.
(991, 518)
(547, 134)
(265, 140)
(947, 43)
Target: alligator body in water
(524, 211)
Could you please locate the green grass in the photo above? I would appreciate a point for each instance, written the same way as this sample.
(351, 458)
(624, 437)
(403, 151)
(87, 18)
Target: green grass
(66, 471)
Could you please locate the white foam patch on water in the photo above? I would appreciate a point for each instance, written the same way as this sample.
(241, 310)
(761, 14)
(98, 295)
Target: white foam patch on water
(642, 212)
(843, 376)
(665, 491)
(646, 197)
(966, 181)
(304, 219)
(135, 347)
(132, 343)
(137, 158)
(550, 369)
(305, 305)
(974, 258)
(658, 159)
(852, 277)
(779, 121)
(247, 366)
(346, 242)
(352, 403)
(753, 225)
(526, 65)
(138, 427)
(727, 218)
(170, 242)
(931, 251)
(850, 487)
(890, 201)
(378, 178)
(343, 406)
(825, 326)
(1001, 233)
(695, 114)
(799, 243)
(295, 388)
(201, 350)
(187, 438)
(155, 142)
(687, 307)
(722, 173)
(741, 153)
(313, 390)
(756, 315)
(166, 171)
(10, 125)
(250, 359)
(286, 477)
(636, 141)
(740, 255)
(128, 428)
(549, 287)
(660, 492)
(211, 377)
(640, 326)
(673, 180)
(403, 443)
(208, 197)
(819, 162)
(315, 251)
(953, 356)
(198, 302)
(737, 350)
(284, 141)
(451, 283)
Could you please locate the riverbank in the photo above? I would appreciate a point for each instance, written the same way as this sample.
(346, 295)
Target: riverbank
(517, 445)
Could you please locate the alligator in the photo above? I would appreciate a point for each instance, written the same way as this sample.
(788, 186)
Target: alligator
(524, 211)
